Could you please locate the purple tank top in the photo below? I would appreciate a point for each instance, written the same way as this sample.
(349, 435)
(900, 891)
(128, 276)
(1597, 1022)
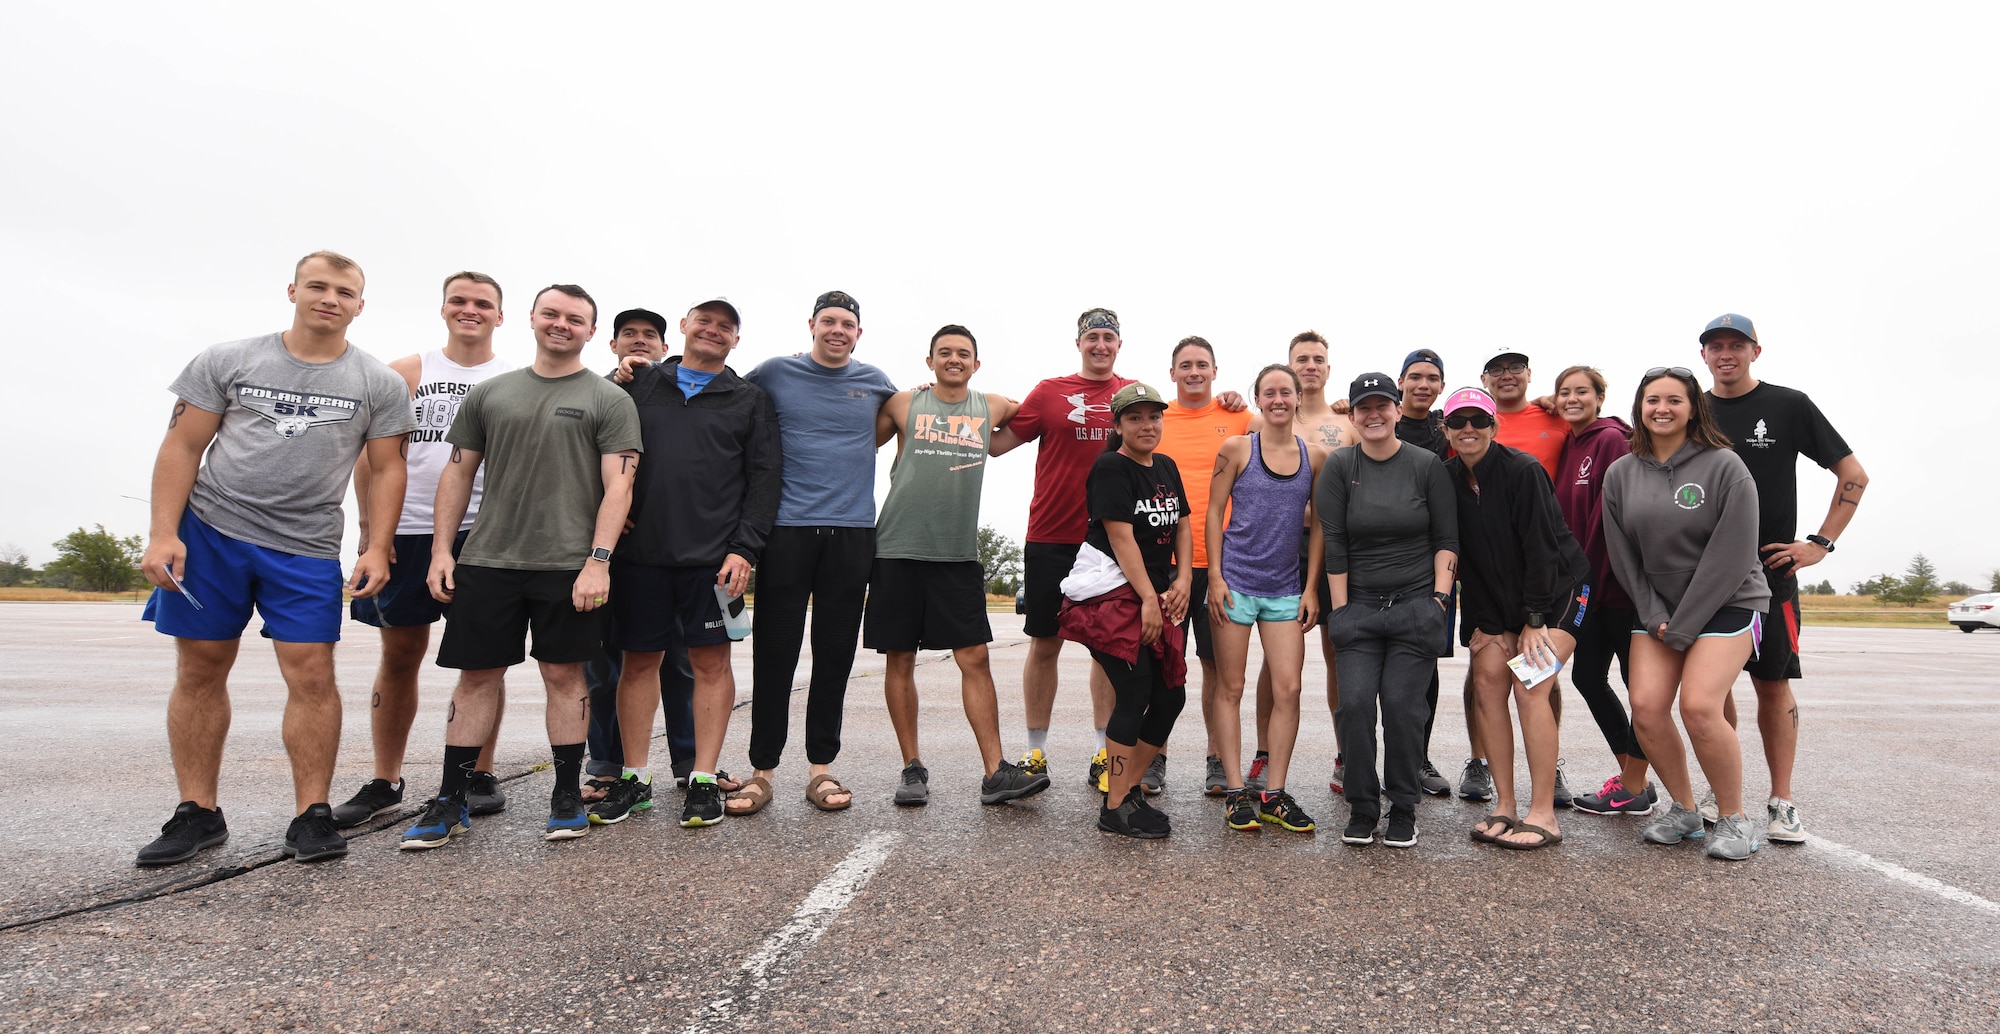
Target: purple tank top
(1260, 549)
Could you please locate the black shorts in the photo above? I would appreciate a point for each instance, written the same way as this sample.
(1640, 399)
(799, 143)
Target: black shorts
(1046, 564)
(1570, 620)
(1777, 655)
(1728, 621)
(925, 605)
(496, 607)
(1197, 619)
(406, 601)
(655, 608)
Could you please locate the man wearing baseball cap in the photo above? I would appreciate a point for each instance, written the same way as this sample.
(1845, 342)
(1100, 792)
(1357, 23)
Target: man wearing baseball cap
(821, 549)
(1529, 428)
(1772, 427)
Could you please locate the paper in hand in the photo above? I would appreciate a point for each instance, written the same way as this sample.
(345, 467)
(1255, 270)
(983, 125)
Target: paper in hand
(1531, 673)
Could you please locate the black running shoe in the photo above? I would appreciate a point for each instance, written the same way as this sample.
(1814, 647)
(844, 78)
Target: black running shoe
(1360, 830)
(192, 830)
(312, 836)
(1150, 817)
(626, 796)
(567, 818)
(1010, 782)
(1239, 810)
(1402, 831)
(483, 794)
(1278, 807)
(1124, 820)
(703, 806)
(915, 789)
(375, 797)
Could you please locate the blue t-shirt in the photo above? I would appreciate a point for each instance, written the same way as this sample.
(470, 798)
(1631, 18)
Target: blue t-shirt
(826, 422)
(691, 381)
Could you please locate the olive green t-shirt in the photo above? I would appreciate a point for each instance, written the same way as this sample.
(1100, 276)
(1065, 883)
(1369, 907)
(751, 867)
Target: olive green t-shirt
(542, 442)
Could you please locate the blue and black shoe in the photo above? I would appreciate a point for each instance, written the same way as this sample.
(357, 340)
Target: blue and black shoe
(442, 819)
(567, 818)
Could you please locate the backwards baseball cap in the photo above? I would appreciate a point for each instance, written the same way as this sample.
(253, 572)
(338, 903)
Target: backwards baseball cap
(1504, 353)
(837, 300)
(1096, 319)
(658, 321)
(1422, 355)
(1471, 398)
(1132, 394)
(719, 302)
(1730, 321)
(1371, 384)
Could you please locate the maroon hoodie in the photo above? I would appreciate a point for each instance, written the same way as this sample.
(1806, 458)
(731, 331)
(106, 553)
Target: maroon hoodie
(1580, 494)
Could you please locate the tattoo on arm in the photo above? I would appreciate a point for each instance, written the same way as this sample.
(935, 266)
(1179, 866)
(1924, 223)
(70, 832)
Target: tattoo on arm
(404, 447)
(1850, 493)
(179, 408)
(456, 453)
(625, 464)
(1221, 463)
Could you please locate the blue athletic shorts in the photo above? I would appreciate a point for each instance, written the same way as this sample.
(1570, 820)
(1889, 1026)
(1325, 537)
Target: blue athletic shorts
(1248, 610)
(406, 601)
(298, 596)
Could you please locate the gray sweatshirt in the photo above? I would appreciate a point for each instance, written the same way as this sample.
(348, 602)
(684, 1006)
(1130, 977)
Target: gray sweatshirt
(1683, 538)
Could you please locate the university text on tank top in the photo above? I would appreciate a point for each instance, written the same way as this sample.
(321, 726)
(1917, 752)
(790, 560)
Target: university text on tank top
(441, 388)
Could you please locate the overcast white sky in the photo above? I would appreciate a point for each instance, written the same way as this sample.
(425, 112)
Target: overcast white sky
(1588, 183)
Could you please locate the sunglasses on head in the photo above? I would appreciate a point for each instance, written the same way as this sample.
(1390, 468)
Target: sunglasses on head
(1679, 371)
(1475, 417)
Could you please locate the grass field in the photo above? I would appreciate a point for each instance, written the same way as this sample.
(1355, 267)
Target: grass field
(1847, 611)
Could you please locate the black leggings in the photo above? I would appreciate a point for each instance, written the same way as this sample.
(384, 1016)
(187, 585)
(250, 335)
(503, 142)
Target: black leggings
(1147, 706)
(1606, 633)
(829, 565)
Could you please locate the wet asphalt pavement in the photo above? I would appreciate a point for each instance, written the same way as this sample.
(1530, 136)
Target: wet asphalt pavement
(958, 916)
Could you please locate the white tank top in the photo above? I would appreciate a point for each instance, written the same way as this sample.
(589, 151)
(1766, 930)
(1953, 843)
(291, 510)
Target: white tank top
(440, 388)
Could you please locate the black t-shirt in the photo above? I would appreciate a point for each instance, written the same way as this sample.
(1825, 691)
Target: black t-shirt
(1771, 428)
(1150, 499)
(1425, 432)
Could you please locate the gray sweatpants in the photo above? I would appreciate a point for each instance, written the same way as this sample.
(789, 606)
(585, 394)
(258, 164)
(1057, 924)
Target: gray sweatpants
(1385, 650)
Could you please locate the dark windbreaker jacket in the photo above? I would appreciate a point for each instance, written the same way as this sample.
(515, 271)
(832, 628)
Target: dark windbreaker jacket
(708, 485)
(1515, 554)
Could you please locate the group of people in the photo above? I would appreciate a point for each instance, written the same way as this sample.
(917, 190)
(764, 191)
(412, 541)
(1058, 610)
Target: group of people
(614, 523)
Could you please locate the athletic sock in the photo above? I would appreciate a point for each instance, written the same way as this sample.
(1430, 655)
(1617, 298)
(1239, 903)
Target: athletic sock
(645, 775)
(458, 765)
(569, 766)
(1100, 738)
(701, 777)
(1038, 739)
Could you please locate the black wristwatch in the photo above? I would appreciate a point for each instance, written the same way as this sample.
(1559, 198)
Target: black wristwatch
(599, 553)
(1443, 598)
(1821, 541)
(1534, 619)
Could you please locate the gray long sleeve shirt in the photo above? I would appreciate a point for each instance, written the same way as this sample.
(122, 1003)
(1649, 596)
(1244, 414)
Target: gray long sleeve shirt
(1683, 538)
(1386, 520)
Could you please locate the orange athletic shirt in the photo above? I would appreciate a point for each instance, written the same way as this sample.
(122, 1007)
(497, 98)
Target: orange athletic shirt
(1536, 433)
(1191, 438)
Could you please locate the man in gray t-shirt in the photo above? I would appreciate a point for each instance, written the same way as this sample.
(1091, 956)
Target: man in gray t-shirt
(281, 419)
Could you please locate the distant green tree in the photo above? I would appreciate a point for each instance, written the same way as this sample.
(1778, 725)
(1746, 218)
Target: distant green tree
(1824, 588)
(1001, 560)
(14, 569)
(1957, 588)
(1875, 586)
(1993, 580)
(97, 561)
(1917, 585)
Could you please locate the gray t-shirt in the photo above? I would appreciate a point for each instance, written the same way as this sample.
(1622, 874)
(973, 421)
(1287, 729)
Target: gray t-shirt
(1386, 520)
(290, 433)
(542, 442)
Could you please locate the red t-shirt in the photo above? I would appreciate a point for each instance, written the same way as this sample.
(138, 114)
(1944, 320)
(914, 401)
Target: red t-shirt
(1536, 433)
(1071, 417)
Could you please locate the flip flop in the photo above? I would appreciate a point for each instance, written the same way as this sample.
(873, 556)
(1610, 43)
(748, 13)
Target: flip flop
(595, 788)
(1547, 838)
(726, 784)
(1492, 836)
(823, 786)
(757, 791)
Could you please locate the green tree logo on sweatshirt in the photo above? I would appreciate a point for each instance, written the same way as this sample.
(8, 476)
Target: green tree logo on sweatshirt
(1690, 496)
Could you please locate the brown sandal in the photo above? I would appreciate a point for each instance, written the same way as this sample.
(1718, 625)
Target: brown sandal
(1548, 839)
(823, 786)
(756, 792)
(1492, 836)
(596, 787)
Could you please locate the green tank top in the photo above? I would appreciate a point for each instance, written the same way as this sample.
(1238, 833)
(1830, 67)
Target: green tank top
(932, 511)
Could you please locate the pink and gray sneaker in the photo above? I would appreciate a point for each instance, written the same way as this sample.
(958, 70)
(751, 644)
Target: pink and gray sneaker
(1614, 799)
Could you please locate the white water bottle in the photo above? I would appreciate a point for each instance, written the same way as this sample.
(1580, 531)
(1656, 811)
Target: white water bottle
(735, 616)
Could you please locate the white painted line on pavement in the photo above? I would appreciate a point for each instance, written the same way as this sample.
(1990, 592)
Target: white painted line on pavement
(791, 941)
(1905, 876)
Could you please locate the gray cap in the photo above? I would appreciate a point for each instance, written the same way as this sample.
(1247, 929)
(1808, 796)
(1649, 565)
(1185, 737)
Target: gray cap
(1730, 321)
(719, 302)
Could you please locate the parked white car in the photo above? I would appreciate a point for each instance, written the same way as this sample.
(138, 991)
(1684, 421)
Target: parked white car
(1975, 612)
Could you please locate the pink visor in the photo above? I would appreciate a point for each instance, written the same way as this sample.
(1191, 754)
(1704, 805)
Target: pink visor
(1471, 398)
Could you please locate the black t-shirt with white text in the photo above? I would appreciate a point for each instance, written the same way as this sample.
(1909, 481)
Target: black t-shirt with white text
(1150, 499)
(1771, 427)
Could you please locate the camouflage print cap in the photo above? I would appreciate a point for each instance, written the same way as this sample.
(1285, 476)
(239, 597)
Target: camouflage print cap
(1096, 319)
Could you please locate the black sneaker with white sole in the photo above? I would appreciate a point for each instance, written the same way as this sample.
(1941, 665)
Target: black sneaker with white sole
(626, 796)
(1010, 782)
(192, 830)
(312, 836)
(1360, 830)
(483, 794)
(703, 804)
(375, 797)
(1402, 831)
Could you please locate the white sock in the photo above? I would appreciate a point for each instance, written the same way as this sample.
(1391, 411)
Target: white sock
(1100, 737)
(1038, 739)
(700, 777)
(645, 774)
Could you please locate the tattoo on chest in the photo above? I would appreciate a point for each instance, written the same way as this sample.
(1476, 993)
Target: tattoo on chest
(1329, 435)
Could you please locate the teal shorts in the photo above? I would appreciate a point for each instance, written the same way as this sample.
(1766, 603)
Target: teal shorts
(1248, 610)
